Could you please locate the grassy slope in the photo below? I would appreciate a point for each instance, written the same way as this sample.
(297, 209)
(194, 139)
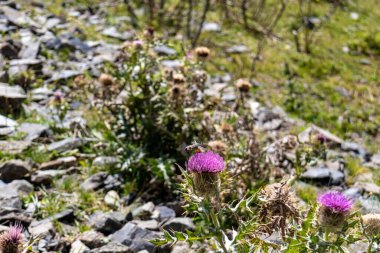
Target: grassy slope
(356, 116)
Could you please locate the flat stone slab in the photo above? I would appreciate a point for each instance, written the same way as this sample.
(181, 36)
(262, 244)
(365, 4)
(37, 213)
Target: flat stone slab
(14, 147)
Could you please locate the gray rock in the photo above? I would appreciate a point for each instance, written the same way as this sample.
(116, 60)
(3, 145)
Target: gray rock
(162, 213)
(66, 145)
(42, 93)
(64, 74)
(113, 247)
(35, 131)
(143, 212)
(171, 64)
(21, 186)
(30, 50)
(9, 197)
(60, 163)
(65, 215)
(180, 224)
(164, 50)
(237, 49)
(135, 237)
(181, 247)
(105, 161)
(112, 199)
(7, 122)
(369, 205)
(114, 33)
(14, 147)
(46, 177)
(93, 239)
(368, 187)
(18, 18)
(11, 98)
(321, 134)
(107, 223)
(376, 159)
(14, 214)
(147, 224)
(359, 247)
(323, 176)
(78, 247)
(94, 182)
(355, 148)
(14, 169)
(42, 229)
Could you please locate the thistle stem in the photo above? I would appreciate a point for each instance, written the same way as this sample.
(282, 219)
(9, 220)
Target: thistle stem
(327, 231)
(370, 246)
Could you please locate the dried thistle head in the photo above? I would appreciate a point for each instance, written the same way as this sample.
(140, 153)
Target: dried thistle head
(106, 80)
(178, 78)
(11, 240)
(80, 80)
(334, 208)
(202, 52)
(218, 147)
(168, 74)
(177, 93)
(371, 223)
(279, 205)
(243, 85)
(226, 128)
(199, 77)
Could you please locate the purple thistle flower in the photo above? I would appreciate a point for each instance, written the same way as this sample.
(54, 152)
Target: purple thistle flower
(58, 96)
(15, 233)
(335, 201)
(205, 162)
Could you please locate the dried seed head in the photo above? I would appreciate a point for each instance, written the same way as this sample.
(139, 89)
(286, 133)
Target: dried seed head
(279, 204)
(80, 80)
(371, 224)
(202, 52)
(178, 78)
(218, 147)
(334, 208)
(199, 77)
(177, 92)
(106, 80)
(243, 85)
(226, 128)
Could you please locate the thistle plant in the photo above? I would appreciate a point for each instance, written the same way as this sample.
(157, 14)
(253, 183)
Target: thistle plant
(334, 209)
(11, 240)
(59, 105)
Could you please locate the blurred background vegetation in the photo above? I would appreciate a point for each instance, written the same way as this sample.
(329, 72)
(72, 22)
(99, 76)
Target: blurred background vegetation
(317, 59)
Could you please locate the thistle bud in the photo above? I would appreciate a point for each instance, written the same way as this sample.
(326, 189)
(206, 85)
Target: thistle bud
(243, 85)
(202, 52)
(334, 209)
(179, 78)
(177, 93)
(106, 80)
